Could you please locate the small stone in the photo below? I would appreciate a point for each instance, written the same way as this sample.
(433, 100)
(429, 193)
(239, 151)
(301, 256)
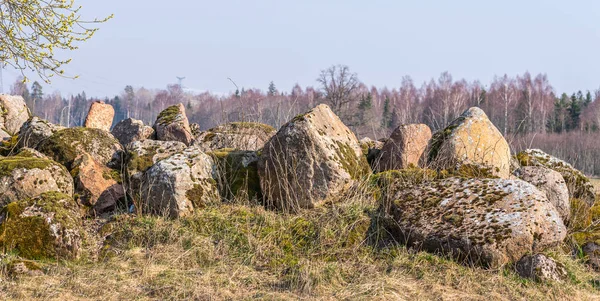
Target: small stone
(541, 268)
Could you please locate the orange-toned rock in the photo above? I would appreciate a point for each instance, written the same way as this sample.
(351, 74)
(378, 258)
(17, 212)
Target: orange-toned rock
(97, 185)
(100, 116)
(471, 142)
(405, 147)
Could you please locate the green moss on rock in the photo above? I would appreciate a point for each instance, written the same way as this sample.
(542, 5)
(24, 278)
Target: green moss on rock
(168, 115)
(8, 164)
(237, 174)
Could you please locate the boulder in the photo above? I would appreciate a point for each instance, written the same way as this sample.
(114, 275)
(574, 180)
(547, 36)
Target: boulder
(98, 187)
(236, 135)
(36, 130)
(66, 145)
(311, 158)
(541, 268)
(172, 125)
(31, 153)
(237, 174)
(44, 227)
(405, 147)
(130, 130)
(180, 184)
(13, 113)
(100, 116)
(471, 142)
(486, 222)
(27, 177)
(551, 183)
(578, 184)
(371, 149)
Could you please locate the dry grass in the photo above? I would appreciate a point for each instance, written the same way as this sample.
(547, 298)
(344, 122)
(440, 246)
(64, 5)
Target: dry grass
(339, 251)
(596, 183)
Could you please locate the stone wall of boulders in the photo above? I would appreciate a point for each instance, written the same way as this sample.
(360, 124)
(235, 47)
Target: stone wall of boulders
(465, 196)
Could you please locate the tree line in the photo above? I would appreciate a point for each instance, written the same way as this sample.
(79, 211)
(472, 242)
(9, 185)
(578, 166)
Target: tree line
(526, 108)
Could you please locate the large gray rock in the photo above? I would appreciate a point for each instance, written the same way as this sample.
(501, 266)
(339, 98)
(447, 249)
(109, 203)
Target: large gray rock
(551, 183)
(172, 125)
(24, 177)
(130, 130)
(13, 113)
(47, 226)
(541, 268)
(471, 144)
(487, 222)
(311, 158)
(180, 184)
(578, 184)
(405, 147)
(236, 135)
(36, 130)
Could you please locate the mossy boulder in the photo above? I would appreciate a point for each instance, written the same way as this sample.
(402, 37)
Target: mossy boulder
(551, 183)
(44, 227)
(237, 174)
(180, 184)
(578, 184)
(27, 177)
(31, 153)
(310, 159)
(172, 125)
(13, 113)
(473, 140)
(130, 130)
(486, 222)
(236, 135)
(404, 148)
(36, 130)
(66, 145)
(141, 155)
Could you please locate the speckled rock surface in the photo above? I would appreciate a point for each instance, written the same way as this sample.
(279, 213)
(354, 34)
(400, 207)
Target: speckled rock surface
(312, 157)
(172, 125)
(44, 227)
(578, 184)
(36, 130)
(180, 184)
(405, 147)
(97, 186)
(541, 268)
(551, 183)
(236, 135)
(130, 130)
(13, 113)
(471, 140)
(100, 116)
(27, 177)
(487, 222)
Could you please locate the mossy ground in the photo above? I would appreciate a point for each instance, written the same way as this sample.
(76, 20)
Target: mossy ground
(247, 252)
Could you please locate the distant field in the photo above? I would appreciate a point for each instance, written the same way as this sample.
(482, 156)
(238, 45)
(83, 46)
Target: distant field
(596, 183)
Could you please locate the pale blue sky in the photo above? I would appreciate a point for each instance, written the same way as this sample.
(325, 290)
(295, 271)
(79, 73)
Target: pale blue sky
(148, 43)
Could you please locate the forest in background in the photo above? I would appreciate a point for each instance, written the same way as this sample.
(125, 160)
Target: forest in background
(525, 108)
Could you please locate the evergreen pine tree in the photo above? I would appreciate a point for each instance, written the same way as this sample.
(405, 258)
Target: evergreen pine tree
(385, 118)
(574, 111)
(272, 89)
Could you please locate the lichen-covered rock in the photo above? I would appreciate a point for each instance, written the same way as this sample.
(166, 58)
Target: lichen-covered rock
(44, 227)
(237, 174)
(236, 135)
(180, 184)
(541, 268)
(98, 187)
(311, 158)
(405, 147)
(471, 140)
(488, 222)
(195, 129)
(27, 177)
(579, 185)
(551, 183)
(66, 145)
(36, 130)
(142, 155)
(31, 153)
(130, 130)
(371, 149)
(172, 125)
(13, 113)
(100, 116)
